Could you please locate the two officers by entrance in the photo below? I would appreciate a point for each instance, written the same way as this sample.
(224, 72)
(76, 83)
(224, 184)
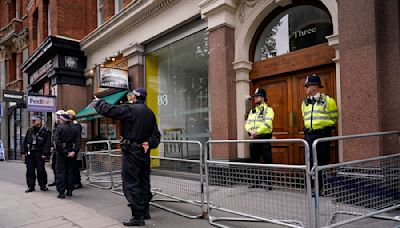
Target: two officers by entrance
(319, 113)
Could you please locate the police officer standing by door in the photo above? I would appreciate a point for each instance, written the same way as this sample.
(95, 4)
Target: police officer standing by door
(67, 146)
(36, 149)
(53, 146)
(137, 126)
(320, 116)
(259, 126)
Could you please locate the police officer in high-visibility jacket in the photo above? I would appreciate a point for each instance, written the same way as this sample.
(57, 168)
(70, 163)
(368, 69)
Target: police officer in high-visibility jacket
(320, 116)
(259, 126)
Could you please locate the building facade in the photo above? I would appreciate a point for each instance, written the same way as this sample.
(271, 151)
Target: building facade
(201, 65)
(201, 60)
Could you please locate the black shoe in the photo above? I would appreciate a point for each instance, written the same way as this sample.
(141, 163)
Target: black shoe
(135, 221)
(147, 216)
(52, 184)
(30, 190)
(61, 196)
(69, 193)
(77, 186)
(45, 189)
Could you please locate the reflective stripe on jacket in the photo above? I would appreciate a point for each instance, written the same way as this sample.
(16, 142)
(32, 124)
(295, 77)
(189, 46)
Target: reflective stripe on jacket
(319, 113)
(260, 119)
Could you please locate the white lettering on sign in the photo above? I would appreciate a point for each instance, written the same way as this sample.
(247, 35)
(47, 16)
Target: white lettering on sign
(13, 96)
(305, 32)
(42, 71)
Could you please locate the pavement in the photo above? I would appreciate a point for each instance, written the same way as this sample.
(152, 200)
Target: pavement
(94, 207)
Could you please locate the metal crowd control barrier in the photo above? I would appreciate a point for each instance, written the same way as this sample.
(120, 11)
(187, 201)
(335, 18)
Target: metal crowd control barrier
(357, 189)
(99, 163)
(173, 180)
(279, 194)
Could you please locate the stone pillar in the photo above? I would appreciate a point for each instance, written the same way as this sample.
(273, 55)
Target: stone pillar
(359, 79)
(4, 120)
(135, 55)
(221, 20)
(242, 69)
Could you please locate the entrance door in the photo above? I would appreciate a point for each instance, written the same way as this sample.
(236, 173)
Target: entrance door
(285, 94)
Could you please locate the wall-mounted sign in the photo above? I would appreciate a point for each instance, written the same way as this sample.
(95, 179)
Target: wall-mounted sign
(13, 96)
(71, 62)
(42, 72)
(37, 103)
(84, 133)
(113, 78)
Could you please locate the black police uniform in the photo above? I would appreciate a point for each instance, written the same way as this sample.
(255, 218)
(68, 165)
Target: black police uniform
(54, 156)
(76, 172)
(137, 125)
(67, 140)
(36, 144)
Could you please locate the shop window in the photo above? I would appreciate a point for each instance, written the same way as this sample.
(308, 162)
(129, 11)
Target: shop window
(177, 85)
(293, 29)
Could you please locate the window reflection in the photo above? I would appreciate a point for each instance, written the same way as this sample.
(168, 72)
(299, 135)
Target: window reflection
(293, 29)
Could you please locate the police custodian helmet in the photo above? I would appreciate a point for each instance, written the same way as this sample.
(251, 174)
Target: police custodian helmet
(260, 92)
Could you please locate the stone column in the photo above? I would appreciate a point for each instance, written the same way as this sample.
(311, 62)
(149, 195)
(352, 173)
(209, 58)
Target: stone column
(220, 16)
(4, 120)
(242, 69)
(135, 55)
(359, 77)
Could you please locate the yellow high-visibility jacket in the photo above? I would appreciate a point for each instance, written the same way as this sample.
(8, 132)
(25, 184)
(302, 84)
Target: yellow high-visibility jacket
(319, 113)
(260, 119)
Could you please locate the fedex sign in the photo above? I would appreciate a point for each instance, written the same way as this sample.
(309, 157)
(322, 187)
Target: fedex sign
(37, 103)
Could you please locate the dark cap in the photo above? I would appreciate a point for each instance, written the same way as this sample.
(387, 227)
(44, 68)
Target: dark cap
(65, 117)
(140, 92)
(313, 79)
(260, 92)
(33, 118)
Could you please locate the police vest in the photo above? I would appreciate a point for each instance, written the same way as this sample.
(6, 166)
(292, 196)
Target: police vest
(260, 120)
(319, 113)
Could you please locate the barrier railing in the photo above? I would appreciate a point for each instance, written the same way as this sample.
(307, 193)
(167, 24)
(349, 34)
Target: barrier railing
(97, 155)
(173, 180)
(357, 189)
(279, 194)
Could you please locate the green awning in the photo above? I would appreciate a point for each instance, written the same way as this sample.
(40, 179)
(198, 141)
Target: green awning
(89, 113)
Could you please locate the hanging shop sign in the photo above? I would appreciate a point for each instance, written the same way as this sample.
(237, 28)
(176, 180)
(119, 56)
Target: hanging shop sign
(37, 103)
(42, 72)
(13, 96)
(113, 78)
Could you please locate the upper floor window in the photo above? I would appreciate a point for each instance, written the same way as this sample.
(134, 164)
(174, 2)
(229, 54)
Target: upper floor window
(100, 16)
(16, 5)
(293, 29)
(48, 19)
(118, 5)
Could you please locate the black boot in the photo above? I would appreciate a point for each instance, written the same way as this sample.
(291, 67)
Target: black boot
(69, 192)
(135, 221)
(61, 195)
(52, 184)
(30, 189)
(147, 212)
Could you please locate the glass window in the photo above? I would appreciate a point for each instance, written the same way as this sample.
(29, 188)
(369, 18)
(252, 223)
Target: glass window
(293, 29)
(177, 76)
(100, 18)
(16, 8)
(48, 19)
(118, 5)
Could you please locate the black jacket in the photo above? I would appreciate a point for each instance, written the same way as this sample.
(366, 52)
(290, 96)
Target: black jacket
(67, 139)
(138, 122)
(42, 136)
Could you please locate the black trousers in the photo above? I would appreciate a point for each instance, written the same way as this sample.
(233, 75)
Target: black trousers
(323, 151)
(35, 163)
(258, 151)
(53, 164)
(76, 173)
(136, 178)
(64, 172)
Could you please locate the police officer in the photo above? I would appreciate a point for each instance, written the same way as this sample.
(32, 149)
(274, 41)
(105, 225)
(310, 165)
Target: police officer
(67, 146)
(259, 126)
(137, 126)
(53, 145)
(78, 127)
(36, 149)
(320, 116)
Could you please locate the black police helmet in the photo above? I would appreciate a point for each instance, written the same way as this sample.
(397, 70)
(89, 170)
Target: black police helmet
(260, 92)
(313, 79)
